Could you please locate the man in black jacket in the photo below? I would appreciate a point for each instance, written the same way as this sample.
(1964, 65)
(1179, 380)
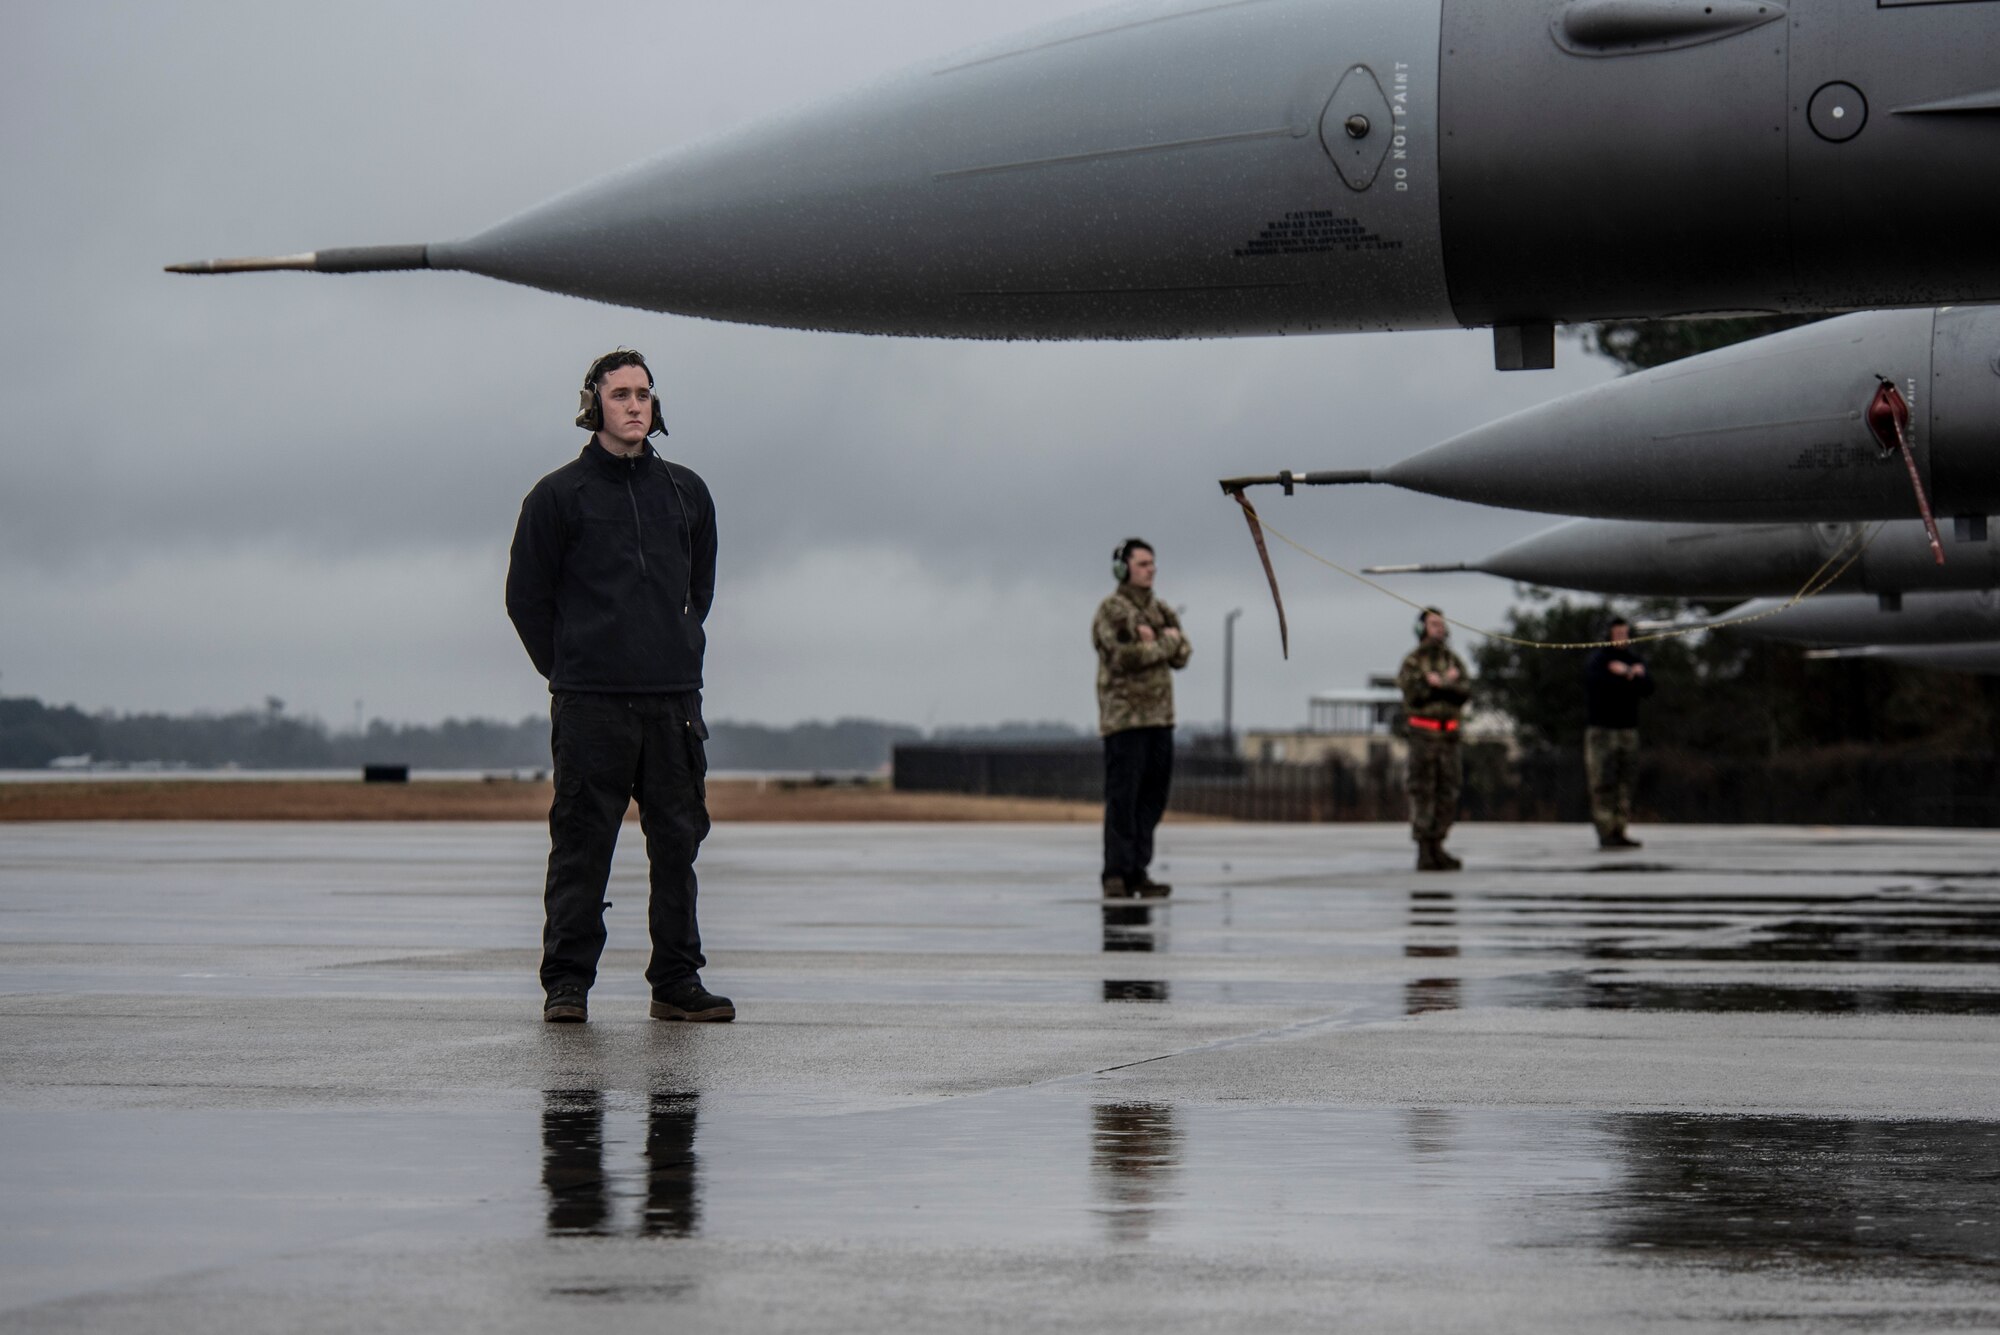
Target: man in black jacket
(609, 581)
(1614, 682)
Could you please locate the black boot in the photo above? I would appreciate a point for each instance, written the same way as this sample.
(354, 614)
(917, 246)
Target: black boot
(689, 1000)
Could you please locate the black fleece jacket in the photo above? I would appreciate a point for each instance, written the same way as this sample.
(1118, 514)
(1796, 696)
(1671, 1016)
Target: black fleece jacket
(612, 572)
(1609, 700)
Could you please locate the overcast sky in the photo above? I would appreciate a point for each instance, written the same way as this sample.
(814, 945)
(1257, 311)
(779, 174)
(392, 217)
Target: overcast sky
(214, 490)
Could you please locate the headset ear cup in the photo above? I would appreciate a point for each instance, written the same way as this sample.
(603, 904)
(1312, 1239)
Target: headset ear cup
(659, 419)
(587, 415)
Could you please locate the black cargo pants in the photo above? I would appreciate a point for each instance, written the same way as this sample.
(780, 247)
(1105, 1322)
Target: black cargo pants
(1138, 773)
(610, 749)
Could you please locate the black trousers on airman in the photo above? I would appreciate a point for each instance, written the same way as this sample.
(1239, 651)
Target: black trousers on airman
(609, 750)
(1138, 772)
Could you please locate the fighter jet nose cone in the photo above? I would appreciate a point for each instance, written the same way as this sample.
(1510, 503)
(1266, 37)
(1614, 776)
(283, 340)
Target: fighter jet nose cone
(1507, 463)
(639, 238)
(1155, 171)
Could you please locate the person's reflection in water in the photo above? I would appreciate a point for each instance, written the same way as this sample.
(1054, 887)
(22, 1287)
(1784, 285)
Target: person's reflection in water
(1432, 1132)
(1135, 1155)
(573, 1161)
(1128, 928)
(1431, 909)
(673, 1208)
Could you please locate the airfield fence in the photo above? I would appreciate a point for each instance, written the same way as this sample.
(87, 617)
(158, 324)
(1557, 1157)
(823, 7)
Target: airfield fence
(1843, 787)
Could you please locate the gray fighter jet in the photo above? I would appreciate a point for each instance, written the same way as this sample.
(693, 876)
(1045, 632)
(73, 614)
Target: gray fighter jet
(1983, 658)
(1962, 617)
(1730, 560)
(1189, 168)
(1867, 416)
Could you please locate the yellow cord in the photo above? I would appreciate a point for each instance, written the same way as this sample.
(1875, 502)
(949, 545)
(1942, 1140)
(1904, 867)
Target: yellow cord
(1814, 584)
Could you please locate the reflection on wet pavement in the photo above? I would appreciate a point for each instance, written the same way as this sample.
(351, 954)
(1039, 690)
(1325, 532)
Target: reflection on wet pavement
(1752, 1191)
(1434, 909)
(583, 1187)
(1134, 1154)
(1739, 942)
(1739, 1190)
(1611, 992)
(1129, 929)
(1344, 1075)
(573, 1161)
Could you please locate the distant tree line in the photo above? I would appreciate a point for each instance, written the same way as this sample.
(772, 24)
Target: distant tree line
(1720, 695)
(32, 734)
(1727, 697)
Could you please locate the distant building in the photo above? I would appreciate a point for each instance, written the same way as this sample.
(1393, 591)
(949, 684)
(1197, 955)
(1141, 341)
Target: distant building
(1358, 726)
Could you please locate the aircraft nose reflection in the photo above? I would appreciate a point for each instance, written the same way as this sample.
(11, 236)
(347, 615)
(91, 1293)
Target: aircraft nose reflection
(1129, 928)
(585, 1192)
(1135, 1160)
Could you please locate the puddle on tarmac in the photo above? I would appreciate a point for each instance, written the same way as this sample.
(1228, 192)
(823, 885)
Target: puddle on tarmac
(1740, 936)
(1028, 1167)
(1715, 997)
(108, 1197)
(1752, 1191)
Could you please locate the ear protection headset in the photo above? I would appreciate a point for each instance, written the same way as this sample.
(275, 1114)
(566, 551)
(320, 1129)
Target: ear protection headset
(590, 416)
(1121, 558)
(1427, 612)
(590, 413)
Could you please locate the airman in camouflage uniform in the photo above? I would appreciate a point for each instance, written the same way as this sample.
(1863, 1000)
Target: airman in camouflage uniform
(1139, 647)
(1435, 687)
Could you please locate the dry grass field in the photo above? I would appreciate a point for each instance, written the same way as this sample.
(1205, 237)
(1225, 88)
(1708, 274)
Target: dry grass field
(337, 799)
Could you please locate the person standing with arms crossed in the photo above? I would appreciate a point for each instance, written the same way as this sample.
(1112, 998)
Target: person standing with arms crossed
(1435, 687)
(1614, 682)
(610, 578)
(1140, 646)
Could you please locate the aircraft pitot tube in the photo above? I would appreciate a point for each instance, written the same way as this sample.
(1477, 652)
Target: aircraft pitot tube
(1192, 168)
(1770, 430)
(1982, 657)
(1615, 556)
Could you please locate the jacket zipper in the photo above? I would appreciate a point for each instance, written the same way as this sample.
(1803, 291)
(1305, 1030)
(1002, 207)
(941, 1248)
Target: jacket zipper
(638, 531)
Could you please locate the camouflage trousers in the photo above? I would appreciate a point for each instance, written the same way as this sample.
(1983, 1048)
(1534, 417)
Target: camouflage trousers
(1437, 771)
(1611, 759)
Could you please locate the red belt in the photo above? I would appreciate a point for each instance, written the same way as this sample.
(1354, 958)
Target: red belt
(1434, 724)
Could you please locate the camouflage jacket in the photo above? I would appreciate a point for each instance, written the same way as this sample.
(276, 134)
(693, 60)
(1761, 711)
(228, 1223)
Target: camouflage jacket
(1135, 680)
(1423, 700)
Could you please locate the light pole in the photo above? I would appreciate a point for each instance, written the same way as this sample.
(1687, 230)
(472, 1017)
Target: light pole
(1229, 679)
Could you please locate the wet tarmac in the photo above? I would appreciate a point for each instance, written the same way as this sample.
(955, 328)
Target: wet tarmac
(268, 1077)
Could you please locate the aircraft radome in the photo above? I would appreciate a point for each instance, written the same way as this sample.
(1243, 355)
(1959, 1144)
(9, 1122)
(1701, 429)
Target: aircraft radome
(1855, 619)
(1195, 168)
(1794, 426)
(1616, 556)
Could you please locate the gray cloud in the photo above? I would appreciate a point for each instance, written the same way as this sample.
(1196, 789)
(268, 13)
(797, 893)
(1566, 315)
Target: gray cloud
(213, 489)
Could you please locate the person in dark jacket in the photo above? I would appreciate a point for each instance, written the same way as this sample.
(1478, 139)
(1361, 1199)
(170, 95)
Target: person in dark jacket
(609, 581)
(1614, 682)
